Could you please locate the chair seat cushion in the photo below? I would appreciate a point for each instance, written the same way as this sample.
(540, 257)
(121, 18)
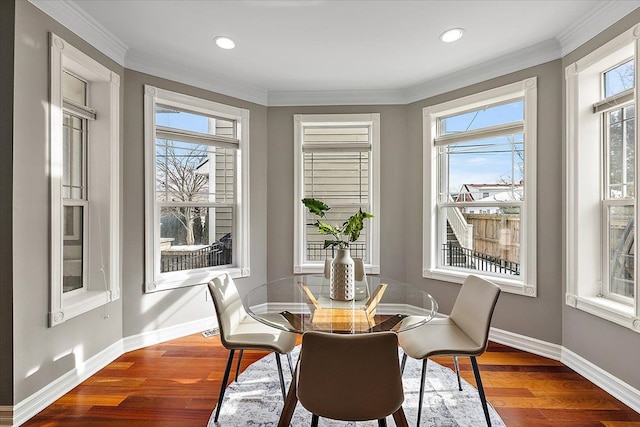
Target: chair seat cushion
(439, 336)
(249, 333)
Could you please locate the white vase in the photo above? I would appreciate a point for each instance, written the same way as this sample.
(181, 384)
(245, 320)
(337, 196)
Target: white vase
(341, 280)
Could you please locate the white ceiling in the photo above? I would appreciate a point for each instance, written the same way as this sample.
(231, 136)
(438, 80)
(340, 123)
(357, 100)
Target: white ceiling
(320, 51)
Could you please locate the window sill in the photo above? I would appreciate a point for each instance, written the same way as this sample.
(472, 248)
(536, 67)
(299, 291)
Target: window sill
(319, 269)
(79, 302)
(612, 311)
(183, 279)
(506, 285)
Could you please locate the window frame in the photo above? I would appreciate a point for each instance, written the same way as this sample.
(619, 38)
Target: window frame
(154, 279)
(585, 208)
(371, 120)
(526, 283)
(104, 86)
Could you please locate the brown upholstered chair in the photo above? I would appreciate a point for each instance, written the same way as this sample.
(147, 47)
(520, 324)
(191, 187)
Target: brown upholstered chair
(350, 377)
(464, 333)
(239, 331)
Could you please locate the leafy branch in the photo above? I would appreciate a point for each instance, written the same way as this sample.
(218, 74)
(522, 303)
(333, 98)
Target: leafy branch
(342, 236)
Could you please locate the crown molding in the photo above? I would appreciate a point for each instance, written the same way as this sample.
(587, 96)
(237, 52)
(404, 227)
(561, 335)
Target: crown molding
(174, 71)
(75, 19)
(524, 58)
(337, 97)
(599, 19)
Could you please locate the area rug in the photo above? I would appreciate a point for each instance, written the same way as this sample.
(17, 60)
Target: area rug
(256, 400)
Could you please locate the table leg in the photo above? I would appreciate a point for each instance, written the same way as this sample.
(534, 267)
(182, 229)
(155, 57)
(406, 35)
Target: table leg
(290, 403)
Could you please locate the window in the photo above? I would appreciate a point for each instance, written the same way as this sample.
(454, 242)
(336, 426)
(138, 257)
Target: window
(479, 188)
(336, 161)
(84, 117)
(196, 190)
(601, 187)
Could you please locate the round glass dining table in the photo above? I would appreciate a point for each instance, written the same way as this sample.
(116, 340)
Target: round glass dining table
(302, 303)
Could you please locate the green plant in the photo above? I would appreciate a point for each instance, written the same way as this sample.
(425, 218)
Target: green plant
(342, 236)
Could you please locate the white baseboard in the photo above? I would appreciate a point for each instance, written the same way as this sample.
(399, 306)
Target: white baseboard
(524, 343)
(27, 408)
(35, 403)
(617, 388)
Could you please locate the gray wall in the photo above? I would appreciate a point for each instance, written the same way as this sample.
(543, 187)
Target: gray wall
(147, 312)
(43, 354)
(609, 346)
(281, 203)
(401, 200)
(7, 37)
(539, 317)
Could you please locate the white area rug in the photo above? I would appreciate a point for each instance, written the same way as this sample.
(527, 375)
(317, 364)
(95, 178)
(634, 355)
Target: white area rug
(256, 399)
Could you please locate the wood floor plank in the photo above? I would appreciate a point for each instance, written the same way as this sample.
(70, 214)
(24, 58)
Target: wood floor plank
(176, 384)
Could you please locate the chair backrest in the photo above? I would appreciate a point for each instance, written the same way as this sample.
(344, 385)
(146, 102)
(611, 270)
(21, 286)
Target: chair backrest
(227, 303)
(474, 307)
(350, 377)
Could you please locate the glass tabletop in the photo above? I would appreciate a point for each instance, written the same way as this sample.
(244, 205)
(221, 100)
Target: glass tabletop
(302, 303)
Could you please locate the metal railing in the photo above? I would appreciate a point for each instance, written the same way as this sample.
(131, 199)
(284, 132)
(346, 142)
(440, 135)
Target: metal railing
(316, 251)
(456, 256)
(218, 253)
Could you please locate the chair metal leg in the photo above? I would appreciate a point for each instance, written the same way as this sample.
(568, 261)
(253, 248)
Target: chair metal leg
(455, 362)
(290, 364)
(404, 362)
(314, 420)
(279, 363)
(420, 398)
(223, 387)
(382, 422)
(238, 365)
(483, 399)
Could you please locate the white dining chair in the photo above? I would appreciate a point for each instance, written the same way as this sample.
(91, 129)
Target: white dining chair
(239, 331)
(464, 333)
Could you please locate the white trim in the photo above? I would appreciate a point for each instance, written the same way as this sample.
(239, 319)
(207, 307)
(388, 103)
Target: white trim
(39, 400)
(619, 389)
(586, 257)
(77, 20)
(74, 18)
(600, 18)
(524, 343)
(526, 283)
(371, 120)
(155, 281)
(104, 132)
(35, 403)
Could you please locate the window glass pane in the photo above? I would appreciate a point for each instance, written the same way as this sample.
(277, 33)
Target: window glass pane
(483, 117)
(619, 79)
(485, 240)
(73, 157)
(336, 216)
(473, 169)
(72, 249)
(621, 152)
(187, 172)
(195, 237)
(74, 89)
(621, 250)
(184, 120)
(337, 178)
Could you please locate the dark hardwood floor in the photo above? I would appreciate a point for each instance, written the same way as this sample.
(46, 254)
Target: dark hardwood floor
(176, 383)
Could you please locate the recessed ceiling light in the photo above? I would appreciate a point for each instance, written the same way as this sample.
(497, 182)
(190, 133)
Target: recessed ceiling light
(451, 35)
(225, 42)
